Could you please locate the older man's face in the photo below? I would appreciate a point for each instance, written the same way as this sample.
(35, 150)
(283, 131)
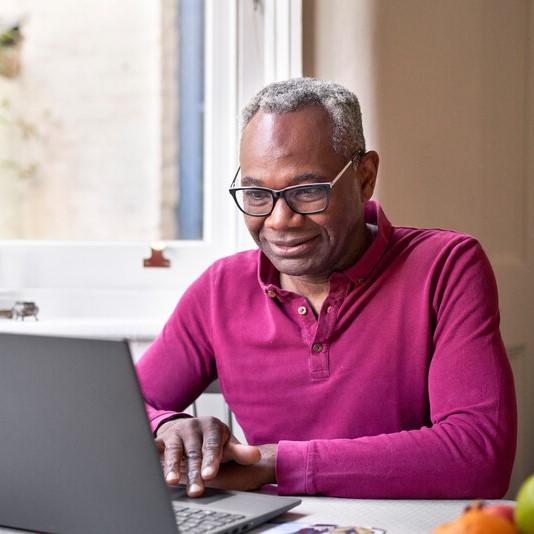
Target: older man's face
(279, 150)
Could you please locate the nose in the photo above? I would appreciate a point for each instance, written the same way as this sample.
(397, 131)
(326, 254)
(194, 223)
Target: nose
(282, 216)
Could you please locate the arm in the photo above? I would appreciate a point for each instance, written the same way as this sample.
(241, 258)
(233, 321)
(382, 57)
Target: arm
(179, 364)
(174, 371)
(469, 449)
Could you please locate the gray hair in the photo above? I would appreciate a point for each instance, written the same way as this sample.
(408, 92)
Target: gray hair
(291, 95)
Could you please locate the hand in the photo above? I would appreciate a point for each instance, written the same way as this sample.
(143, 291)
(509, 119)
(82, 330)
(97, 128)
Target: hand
(193, 449)
(234, 476)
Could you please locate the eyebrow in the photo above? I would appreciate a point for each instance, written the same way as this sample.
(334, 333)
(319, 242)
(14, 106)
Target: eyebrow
(308, 177)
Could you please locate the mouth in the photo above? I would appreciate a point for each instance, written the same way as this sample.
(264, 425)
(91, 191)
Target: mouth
(293, 247)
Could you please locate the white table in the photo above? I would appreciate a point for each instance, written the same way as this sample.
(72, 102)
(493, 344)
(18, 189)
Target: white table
(395, 516)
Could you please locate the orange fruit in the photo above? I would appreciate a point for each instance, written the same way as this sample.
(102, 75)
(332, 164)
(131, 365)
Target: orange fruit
(476, 521)
(506, 511)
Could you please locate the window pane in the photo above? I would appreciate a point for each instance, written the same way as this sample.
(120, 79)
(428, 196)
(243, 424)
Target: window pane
(191, 119)
(91, 145)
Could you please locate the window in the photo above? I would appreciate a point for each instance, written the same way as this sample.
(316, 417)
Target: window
(237, 62)
(103, 128)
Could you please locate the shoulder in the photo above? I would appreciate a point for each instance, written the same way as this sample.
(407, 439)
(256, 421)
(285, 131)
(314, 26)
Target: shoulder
(437, 258)
(223, 281)
(433, 244)
(241, 264)
(239, 269)
(451, 264)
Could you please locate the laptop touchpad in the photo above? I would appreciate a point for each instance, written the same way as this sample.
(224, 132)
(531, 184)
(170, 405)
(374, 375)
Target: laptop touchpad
(210, 495)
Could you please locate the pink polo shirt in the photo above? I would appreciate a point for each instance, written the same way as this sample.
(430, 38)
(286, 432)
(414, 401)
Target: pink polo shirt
(400, 388)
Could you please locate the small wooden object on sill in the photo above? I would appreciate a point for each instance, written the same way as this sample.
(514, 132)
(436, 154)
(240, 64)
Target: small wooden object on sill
(157, 259)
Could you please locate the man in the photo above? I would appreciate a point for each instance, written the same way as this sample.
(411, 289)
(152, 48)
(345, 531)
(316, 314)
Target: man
(361, 359)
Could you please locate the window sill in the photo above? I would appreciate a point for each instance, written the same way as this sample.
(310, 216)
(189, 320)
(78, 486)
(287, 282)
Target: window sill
(134, 315)
(101, 328)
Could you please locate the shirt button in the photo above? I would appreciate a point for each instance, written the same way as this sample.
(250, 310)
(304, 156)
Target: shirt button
(302, 310)
(330, 309)
(317, 347)
(271, 293)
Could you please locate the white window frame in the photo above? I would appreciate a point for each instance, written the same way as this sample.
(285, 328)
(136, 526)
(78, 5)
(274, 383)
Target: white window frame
(109, 266)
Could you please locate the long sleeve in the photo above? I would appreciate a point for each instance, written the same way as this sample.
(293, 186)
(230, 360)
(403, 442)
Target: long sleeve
(468, 450)
(179, 364)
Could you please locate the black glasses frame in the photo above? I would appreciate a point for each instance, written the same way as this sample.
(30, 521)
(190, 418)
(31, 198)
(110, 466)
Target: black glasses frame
(281, 193)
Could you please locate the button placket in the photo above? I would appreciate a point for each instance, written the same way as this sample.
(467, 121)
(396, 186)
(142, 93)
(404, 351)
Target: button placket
(319, 360)
(299, 309)
(320, 346)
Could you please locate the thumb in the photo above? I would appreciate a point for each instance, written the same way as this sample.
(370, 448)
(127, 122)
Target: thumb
(239, 453)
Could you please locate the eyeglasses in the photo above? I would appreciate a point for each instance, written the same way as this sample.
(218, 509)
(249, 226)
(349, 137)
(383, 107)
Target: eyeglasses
(304, 199)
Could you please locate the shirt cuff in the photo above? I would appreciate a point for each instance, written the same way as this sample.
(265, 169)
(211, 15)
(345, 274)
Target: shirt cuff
(163, 417)
(292, 468)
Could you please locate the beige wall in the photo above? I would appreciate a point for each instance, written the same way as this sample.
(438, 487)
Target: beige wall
(443, 90)
(447, 91)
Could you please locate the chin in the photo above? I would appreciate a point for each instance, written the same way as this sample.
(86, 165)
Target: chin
(293, 267)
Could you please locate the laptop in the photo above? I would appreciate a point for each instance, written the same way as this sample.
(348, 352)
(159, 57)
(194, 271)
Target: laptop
(77, 455)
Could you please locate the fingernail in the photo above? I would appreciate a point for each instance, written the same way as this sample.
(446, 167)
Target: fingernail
(194, 488)
(171, 476)
(208, 471)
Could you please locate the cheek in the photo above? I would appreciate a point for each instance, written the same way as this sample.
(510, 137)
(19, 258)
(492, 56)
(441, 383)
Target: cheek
(341, 223)
(254, 226)
(344, 209)
(334, 230)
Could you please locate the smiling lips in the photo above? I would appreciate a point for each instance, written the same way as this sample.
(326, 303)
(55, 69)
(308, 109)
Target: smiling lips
(292, 247)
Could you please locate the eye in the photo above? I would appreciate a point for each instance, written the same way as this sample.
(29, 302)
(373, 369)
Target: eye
(256, 196)
(308, 194)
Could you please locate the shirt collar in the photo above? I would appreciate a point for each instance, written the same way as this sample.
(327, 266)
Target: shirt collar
(269, 277)
(373, 214)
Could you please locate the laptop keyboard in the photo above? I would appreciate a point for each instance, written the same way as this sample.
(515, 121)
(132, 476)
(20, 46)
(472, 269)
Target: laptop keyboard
(195, 520)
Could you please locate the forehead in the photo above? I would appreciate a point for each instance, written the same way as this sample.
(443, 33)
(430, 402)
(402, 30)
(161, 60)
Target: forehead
(290, 139)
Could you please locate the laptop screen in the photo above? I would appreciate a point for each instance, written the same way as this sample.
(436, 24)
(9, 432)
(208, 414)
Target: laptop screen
(76, 453)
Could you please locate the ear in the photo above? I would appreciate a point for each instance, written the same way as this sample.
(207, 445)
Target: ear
(367, 172)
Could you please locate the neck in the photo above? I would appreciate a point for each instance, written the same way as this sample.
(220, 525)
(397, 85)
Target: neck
(316, 288)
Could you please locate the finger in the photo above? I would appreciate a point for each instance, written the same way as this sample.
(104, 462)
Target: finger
(242, 454)
(193, 455)
(214, 439)
(172, 457)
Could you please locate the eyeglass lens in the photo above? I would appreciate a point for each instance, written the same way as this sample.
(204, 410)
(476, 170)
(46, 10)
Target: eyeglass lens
(302, 199)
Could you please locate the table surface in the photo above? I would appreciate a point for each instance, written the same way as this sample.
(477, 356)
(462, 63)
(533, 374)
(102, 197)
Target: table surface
(394, 516)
